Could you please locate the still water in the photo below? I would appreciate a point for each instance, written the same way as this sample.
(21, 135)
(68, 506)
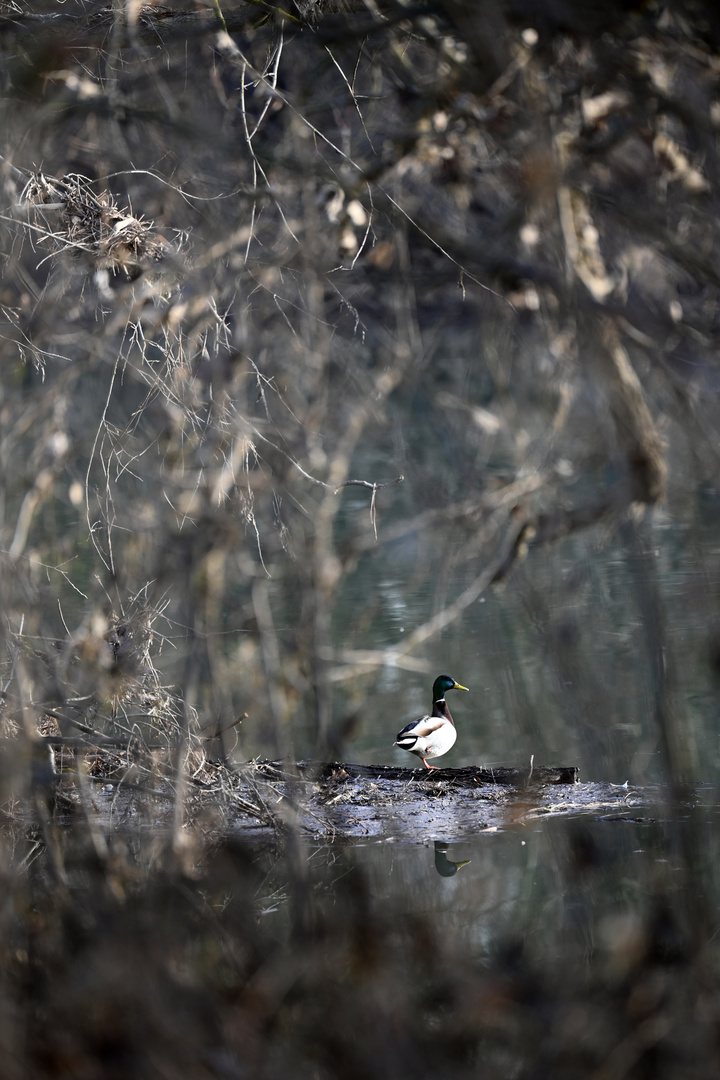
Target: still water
(581, 945)
(557, 659)
(554, 878)
(571, 947)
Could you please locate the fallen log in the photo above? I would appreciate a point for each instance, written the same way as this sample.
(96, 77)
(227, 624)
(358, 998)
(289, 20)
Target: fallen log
(469, 777)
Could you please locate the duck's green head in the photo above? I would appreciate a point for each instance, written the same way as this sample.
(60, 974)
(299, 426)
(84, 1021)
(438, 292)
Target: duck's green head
(442, 684)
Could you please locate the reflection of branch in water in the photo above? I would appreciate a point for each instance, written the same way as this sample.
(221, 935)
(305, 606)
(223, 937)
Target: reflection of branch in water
(362, 661)
(644, 582)
(642, 576)
(644, 483)
(464, 513)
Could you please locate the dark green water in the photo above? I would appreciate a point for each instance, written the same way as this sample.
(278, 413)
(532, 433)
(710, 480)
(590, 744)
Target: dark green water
(556, 659)
(554, 950)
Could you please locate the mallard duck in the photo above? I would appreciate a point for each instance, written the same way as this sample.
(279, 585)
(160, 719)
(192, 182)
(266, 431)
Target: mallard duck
(431, 736)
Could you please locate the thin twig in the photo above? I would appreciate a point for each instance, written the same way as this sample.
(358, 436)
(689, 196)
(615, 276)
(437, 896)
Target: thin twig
(368, 483)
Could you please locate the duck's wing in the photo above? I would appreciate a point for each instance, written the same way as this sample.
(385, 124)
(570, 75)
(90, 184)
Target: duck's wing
(420, 729)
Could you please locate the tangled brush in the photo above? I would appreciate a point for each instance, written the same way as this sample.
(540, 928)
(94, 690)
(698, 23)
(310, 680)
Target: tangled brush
(113, 239)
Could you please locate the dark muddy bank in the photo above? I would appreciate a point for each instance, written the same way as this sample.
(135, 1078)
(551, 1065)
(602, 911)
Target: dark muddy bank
(328, 801)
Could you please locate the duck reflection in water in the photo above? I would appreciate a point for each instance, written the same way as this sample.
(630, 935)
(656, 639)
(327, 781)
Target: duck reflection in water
(444, 866)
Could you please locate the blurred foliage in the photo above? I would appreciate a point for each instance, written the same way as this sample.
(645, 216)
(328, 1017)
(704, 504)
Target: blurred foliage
(472, 248)
(564, 951)
(310, 310)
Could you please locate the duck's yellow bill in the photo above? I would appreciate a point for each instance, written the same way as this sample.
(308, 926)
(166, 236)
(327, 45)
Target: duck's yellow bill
(457, 686)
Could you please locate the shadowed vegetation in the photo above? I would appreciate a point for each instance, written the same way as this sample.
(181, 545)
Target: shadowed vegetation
(344, 343)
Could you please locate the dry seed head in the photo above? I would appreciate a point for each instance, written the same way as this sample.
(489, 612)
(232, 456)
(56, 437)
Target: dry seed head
(113, 238)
